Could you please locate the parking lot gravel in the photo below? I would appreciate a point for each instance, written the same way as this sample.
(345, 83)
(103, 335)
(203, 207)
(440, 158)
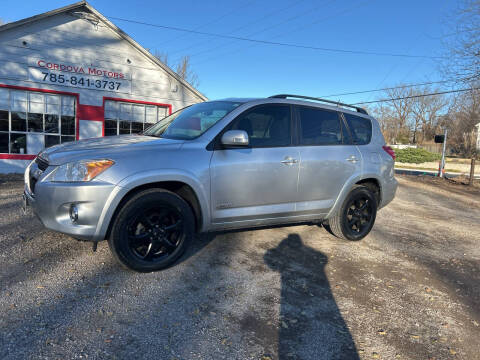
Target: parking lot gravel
(410, 290)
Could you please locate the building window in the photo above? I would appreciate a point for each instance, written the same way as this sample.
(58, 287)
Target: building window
(31, 121)
(130, 118)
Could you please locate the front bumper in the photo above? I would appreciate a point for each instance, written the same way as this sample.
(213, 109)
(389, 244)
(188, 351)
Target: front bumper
(51, 202)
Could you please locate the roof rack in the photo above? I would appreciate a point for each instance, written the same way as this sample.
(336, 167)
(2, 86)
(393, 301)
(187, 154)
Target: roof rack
(284, 96)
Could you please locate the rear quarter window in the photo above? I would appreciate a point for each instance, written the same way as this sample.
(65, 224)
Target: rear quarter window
(360, 128)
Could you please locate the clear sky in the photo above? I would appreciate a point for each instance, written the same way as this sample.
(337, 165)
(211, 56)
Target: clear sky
(229, 68)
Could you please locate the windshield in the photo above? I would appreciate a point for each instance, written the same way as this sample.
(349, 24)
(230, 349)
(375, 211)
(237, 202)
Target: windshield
(191, 121)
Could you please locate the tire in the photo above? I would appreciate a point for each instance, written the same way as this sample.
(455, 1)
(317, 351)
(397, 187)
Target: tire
(355, 218)
(152, 230)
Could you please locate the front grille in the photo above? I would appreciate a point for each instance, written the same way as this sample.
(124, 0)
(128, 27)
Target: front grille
(42, 164)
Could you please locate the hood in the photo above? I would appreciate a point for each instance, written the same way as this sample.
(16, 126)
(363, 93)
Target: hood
(100, 147)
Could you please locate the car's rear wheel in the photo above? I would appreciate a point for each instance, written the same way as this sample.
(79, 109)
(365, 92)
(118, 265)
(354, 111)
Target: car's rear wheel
(354, 220)
(152, 230)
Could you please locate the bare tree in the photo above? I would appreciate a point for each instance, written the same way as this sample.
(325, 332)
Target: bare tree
(410, 116)
(401, 106)
(464, 114)
(183, 68)
(386, 118)
(162, 56)
(426, 112)
(463, 62)
(463, 44)
(419, 114)
(185, 71)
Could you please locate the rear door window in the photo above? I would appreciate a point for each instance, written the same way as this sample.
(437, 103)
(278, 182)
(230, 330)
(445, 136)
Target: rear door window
(319, 126)
(360, 128)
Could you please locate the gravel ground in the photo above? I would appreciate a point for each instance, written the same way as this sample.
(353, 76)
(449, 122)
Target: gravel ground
(410, 290)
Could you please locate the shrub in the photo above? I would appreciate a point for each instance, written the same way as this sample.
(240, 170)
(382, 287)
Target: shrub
(415, 155)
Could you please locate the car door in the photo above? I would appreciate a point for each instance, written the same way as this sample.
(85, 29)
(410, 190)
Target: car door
(327, 158)
(256, 184)
(361, 130)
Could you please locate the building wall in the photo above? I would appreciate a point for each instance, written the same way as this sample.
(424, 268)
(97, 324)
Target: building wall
(69, 45)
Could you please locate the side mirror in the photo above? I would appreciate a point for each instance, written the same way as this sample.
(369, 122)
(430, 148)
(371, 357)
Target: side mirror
(235, 138)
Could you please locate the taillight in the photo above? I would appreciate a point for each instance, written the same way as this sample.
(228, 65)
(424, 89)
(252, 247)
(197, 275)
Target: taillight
(389, 151)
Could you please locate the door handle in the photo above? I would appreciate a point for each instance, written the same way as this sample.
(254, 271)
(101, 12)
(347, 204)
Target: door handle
(353, 159)
(289, 160)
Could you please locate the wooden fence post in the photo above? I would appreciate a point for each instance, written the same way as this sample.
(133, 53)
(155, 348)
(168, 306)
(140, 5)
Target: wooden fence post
(472, 171)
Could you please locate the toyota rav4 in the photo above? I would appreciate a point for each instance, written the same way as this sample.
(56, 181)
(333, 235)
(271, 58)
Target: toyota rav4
(217, 165)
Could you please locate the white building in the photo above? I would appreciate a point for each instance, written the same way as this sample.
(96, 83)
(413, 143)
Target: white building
(71, 74)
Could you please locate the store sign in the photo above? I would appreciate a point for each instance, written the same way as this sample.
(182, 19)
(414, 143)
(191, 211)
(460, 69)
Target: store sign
(80, 76)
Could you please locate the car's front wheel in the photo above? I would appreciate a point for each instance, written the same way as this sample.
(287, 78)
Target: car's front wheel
(151, 230)
(354, 220)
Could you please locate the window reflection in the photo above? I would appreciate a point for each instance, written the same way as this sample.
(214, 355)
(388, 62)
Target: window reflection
(34, 118)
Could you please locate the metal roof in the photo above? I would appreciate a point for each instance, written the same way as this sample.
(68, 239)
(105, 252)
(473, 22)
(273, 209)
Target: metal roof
(85, 5)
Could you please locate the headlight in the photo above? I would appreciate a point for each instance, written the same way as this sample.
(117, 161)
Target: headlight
(83, 170)
(42, 154)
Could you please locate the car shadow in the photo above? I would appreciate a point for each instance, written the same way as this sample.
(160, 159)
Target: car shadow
(310, 324)
(197, 245)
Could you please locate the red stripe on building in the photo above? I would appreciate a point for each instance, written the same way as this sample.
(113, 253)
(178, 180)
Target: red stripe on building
(90, 112)
(17, 156)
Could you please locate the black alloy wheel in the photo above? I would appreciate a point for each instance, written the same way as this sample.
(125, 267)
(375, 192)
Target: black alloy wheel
(155, 233)
(151, 230)
(355, 219)
(360, 215)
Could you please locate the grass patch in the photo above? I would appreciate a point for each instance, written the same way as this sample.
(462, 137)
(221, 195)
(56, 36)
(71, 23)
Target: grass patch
(415, 156)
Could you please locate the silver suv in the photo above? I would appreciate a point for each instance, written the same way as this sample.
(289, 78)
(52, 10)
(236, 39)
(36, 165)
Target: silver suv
(217, 165)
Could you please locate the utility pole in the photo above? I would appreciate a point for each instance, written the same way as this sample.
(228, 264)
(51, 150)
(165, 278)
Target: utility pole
(442, 163)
